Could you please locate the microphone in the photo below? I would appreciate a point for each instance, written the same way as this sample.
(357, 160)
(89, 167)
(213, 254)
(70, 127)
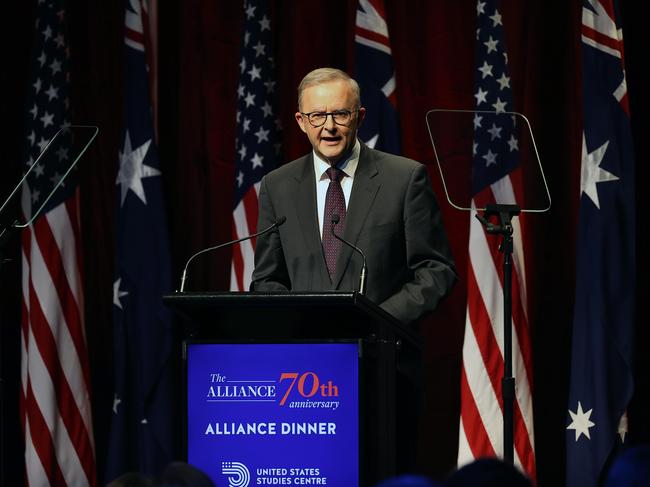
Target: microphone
(276, 223)
(364, 267)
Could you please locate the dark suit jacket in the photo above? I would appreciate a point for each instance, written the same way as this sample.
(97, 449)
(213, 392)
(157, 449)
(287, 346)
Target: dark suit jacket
(392, 216)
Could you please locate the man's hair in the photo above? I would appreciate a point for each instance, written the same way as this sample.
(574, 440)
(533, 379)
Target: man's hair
(325, 75)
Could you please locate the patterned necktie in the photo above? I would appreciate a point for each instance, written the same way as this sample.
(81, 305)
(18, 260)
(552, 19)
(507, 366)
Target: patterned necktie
(334, 205)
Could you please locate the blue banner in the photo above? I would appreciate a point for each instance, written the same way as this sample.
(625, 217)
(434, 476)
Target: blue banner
(274, 414)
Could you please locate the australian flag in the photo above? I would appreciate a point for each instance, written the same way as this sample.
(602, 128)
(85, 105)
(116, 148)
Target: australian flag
(603, 326)
(376, 77)
(141, 432)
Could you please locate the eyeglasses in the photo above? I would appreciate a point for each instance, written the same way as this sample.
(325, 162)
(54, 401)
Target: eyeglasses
(340, 117)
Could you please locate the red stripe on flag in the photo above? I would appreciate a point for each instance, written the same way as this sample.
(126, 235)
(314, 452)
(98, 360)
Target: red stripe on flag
(602, 39)
(53, 259)
(134, 35)
(41, 440)
(65, 397)
(482, 330)
(477, 437)
(372, 36)
(251, 211)
(522, 444)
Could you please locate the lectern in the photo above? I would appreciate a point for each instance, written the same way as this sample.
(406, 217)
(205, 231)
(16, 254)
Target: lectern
(274, 380)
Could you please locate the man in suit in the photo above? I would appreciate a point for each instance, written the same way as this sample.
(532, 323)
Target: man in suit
(382, 203)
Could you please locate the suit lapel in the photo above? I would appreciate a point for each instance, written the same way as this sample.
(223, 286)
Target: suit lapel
(308, 217)
(364, 190)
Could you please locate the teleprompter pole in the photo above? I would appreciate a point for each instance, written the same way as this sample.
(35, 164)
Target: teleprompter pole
(504, 228)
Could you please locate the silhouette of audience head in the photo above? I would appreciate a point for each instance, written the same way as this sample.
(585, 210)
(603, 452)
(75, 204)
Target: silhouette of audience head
(487, 472)
(131, 479)
(631, 468)
(180, 474)
(407, 481)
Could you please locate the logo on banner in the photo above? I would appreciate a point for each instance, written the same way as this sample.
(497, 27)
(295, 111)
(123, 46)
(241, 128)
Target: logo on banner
(237, 473)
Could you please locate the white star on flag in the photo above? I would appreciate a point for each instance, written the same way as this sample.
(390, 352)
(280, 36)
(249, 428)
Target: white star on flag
(495, 132)
(486, 69)
(496, 19)
(260, 49)
(622, 427)
(490, 158)
(265, 24)
(262, 134)
(116, 402)
(580, 422)
(513, 143)
(254, 73)
(504, 81)
(117, 294)
(480, 96)
(591, 172)
(257, 160)
(133, 169)
(250, 99)
(491, 45)
(499, 106)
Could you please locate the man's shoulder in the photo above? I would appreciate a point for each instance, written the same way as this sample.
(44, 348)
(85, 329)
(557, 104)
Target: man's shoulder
(390, 162)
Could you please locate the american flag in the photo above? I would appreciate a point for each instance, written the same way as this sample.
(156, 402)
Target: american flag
(496, 177)
(55, 376)
(603, 322)
(376, 77)
(141, 436)
(257, 141)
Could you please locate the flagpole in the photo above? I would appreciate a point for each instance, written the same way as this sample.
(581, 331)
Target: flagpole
(504, 228)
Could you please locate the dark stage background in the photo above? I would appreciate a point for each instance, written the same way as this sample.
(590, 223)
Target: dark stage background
(433, 49)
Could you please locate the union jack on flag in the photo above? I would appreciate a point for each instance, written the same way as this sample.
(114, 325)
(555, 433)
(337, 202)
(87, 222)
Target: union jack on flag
(603, 321)
(257, 134)
(55, 394)
(496, 177)
(376, 77)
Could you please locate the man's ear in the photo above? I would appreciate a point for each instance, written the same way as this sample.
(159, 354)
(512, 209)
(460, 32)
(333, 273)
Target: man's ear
(301, 121)
(360, 116)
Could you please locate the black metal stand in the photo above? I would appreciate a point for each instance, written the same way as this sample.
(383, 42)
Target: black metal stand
(5, 234)
(504, 228)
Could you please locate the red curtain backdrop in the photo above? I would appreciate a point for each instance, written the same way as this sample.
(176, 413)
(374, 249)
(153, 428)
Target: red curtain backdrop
(433, 52)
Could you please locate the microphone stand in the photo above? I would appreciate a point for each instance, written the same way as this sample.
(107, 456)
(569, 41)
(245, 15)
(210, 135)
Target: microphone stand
(504, 228)
(275, 224)
(5, 234)
(364, 267)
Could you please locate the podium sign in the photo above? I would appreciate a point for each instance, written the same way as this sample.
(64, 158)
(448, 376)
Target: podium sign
(274, 414)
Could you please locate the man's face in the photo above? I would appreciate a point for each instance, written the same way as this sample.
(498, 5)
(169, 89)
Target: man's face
(330, 141)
